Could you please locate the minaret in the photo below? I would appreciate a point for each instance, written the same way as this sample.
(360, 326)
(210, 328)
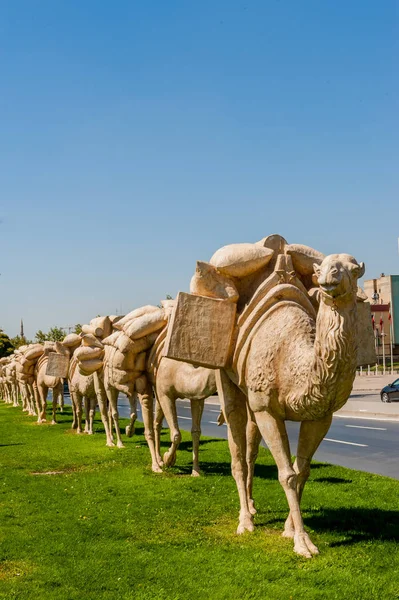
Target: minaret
(22, 330)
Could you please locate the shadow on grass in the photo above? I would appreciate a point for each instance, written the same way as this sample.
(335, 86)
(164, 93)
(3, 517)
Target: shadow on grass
(358, 524)
(13, 444)
(332, 480)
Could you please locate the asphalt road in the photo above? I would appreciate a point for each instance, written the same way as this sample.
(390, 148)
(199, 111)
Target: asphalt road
(356, 442)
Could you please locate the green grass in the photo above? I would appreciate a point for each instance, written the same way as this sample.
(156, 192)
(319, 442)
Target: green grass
(105, 527)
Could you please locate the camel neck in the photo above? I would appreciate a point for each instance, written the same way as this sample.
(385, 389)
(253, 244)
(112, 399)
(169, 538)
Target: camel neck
(335, 353)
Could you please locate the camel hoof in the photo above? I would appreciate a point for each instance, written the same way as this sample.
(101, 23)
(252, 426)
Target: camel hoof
(169, 459)
(129, 431)
(245, 525)
(196, 473)
(110, 444)
(304, 546)
(251, 507)
(288, 533)
(120, 445)
(156, 469)
(54, 422)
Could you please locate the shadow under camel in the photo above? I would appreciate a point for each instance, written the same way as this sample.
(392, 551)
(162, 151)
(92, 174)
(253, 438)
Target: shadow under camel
(358, 524)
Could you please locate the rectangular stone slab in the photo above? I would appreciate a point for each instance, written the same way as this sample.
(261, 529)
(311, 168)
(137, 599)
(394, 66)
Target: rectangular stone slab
(57, 365)
(200, 330)
(366, 343)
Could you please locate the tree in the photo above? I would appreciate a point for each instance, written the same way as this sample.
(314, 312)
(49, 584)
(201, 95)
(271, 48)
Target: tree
(55, 334)
(78, 329)
(6, 347)
(18, 341)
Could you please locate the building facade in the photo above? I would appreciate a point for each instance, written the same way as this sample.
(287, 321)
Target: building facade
(383, 295)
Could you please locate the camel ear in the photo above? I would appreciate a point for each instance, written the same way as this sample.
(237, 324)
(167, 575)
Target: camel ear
(359, 270)
(316, 269)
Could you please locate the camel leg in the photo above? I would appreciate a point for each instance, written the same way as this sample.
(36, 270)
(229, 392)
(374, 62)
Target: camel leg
(311, 435)
(254, 438)
(16, 400)
(102, 403)
(234, 407)
(31, 400)
(43, 392)
(112, 395)
(133, 414)
(78, 401)
(61, 397)
(86, 403)
(168, 406)
(147, 409)
(197, 408)
(74, 411)
(158, 419)
(275, 435)
(57, 390)
(92, 412)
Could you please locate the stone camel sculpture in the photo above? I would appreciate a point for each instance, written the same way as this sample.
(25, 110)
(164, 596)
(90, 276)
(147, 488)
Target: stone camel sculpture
(171, 380)
(117, 362)
(293, 355)
(43, 382)
(81, 387)
(303, 373)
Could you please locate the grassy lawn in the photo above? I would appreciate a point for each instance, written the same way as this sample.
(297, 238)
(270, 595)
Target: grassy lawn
(102, 526)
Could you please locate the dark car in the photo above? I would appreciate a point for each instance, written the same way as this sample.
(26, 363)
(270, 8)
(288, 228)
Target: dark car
(390, 393)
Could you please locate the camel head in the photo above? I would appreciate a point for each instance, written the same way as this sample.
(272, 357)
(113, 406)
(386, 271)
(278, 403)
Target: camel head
(337, 276)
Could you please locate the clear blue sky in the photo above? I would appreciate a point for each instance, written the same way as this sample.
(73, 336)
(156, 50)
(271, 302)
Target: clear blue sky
(140, 136)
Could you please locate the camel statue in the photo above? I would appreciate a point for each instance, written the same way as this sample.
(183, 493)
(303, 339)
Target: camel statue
(116, 363)
(43, 382)
(294, 358)
(10, 381)
(171, 380)
(82, 390)
(81, 387)
(304, 373)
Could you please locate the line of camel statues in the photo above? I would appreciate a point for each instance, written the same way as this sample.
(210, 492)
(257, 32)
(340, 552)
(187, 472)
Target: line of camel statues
(275, 329)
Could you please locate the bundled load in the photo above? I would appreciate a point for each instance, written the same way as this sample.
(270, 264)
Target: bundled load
(26, 358)
(91, 352)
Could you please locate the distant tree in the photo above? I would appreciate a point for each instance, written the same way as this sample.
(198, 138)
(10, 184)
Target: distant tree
(18, 341)
(6, 347)
(55, 334)
(78, 329)
(40, 336)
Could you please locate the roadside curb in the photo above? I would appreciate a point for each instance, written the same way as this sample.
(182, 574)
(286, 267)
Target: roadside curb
(349, 414)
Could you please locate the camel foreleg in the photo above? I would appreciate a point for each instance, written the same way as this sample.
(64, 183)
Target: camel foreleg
(158, 419)
(197, 408)
(112, 395)
(133, 414)
(168, 406)
(233, 405)
(147, 409)
(102, 403)
(311, 435)
(274, 433)
(57, 391)
(254, 438)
